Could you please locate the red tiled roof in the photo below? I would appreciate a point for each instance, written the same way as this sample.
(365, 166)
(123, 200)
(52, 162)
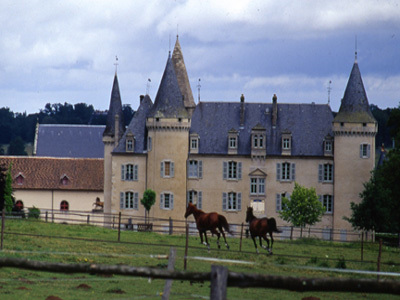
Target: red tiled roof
(43, 173)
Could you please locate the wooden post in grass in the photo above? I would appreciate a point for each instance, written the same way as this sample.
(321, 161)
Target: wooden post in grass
(3, 219)
(362, 245)
(379, 256)
(241, 236)
(171, 228)
(88, 219)
(219, 280)
(171, 267)
(186, 247)
(119, 227)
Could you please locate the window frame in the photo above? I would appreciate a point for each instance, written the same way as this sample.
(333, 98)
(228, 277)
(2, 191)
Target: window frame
(327, 202)
(129, 172)
(288, 169)
(257, 186)
(326, 172)
(171, 169)
(232, 170)
(129, 200)
(64, 206)
(232, 201)
(170, 200)
(365, 150)
(195, 168)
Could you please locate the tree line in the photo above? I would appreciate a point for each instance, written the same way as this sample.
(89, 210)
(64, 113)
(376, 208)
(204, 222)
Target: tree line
(18, 129)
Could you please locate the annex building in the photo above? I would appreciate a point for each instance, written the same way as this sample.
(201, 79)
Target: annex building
(225, 156)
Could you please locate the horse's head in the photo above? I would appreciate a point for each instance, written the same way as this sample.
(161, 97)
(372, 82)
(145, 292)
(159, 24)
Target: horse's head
(249, 213)
(189, 209)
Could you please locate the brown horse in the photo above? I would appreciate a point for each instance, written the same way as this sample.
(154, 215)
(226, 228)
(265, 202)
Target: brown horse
(260, 228)
(208, 221)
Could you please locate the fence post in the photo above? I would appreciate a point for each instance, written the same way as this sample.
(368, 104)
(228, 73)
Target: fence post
(88, 219)
(362, 245)
(171, 228)
(219, 280)
(186, 247)
(241, 236)
(47, 216)
(171, 267)
(379, 256)
(291, 232)
(3, 219)
(119, 227)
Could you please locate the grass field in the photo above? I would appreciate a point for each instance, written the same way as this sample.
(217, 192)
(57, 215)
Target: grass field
(89, 244)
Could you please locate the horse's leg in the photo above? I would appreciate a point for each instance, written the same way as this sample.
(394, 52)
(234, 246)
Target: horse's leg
(272, 241)
(255, 243)
(215, 231)
(205, 237)
(267, 240)
(201, 236)
(223, 235)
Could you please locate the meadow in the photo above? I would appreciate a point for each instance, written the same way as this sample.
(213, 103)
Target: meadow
(51, 242)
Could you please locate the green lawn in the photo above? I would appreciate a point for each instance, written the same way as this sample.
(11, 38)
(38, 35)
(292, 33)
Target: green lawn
(89, 244)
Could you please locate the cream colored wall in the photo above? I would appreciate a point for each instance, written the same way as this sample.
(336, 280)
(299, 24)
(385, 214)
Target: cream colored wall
(351, 171)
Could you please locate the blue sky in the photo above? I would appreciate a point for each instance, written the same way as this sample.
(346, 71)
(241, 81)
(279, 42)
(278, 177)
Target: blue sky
(64, 51)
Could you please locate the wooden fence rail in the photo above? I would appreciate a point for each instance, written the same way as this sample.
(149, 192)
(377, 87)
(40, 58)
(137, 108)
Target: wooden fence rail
(234, 279)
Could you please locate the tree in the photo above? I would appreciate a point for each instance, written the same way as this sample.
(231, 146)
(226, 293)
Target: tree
(303, 208)
(8, 192)
(17, 146)
(2, 186)
(148, 200)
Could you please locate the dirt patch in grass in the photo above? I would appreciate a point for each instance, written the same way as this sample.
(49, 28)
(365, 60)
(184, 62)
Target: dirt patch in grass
(53, 298)
(22, 288)
(116, 291)
(84, 286)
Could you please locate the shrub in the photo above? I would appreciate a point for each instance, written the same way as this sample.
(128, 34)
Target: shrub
(34, 212)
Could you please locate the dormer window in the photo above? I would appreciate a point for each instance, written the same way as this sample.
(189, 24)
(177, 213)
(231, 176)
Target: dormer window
(328, 145)
(258, 141)
(232, 141)
(64, 180)
(286, 142)
(130, 142)
(20, 179)
(194, 143)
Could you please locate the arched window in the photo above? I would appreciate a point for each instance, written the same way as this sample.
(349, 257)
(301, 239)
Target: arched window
(64, 206)
(19, 205)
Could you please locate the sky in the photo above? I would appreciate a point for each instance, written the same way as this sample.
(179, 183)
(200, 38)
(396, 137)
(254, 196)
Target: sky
(302, 51)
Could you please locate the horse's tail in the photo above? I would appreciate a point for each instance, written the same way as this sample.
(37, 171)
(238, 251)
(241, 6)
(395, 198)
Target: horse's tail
(224, 223)
(272, 225)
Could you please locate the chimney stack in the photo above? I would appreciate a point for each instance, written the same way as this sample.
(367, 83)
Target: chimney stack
(274, 110)
(141, 98)
(242, 110)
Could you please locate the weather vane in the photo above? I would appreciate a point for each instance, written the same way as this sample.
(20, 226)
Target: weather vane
(329, 92)
(116, 63)
(198, 89)
(148, 86)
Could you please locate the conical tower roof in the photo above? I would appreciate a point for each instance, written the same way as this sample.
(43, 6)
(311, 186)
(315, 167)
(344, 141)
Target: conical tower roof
(115, 109)
(182, 76)
(355, 106)
(169, 99)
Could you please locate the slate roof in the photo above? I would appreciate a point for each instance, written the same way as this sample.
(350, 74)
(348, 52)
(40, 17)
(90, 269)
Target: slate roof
(181, 75)
(137, 127)
(43, 173)
(115, 109)
(354, 106)
(309, 124)
(169, 99)
(77, 141)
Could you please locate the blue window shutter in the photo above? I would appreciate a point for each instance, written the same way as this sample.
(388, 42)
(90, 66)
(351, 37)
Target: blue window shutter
(278, 202)
(162, 201)
(278, 172)
(333, 172)
(122, 172)
(293, 166)
(162, 169)
(172, 169)
(136, 173)
(320, 172)
(171, 201)
(200, 165)
(225, 170)
(136, 200)
(121, 200)
(224, 201)
(239, 170)
(200, 200)
(239, 201)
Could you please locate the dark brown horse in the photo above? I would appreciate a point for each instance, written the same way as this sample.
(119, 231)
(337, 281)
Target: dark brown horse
(260, 228)
(208, 221)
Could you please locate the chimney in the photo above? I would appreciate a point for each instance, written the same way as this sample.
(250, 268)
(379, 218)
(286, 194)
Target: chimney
(274, 110)
(242, 110)
(141, 98)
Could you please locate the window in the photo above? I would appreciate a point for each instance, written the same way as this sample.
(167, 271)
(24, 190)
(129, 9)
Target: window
(328, 146)
(129, 145)
(327, 202)
(194, 143)
(195, 169)
(233, 142)
(166, 201)
(64, 206)
(129, 172)
(149, 143)
(231, 201)
(232, 170)
(195, 198)
(20, 179)
(258, 141)
(365, 150)
(19, 205)
(257, 186)
(285, 171)
(64, 180)
(325, 173)
(278, 200)
(129, 200)
(286, 143)
(167, 169)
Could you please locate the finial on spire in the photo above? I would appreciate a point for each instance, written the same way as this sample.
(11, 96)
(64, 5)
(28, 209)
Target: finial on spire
(148, 86)
(177, 31)
(329, 92)
(198, 89)
(356, 49)
(116, 64)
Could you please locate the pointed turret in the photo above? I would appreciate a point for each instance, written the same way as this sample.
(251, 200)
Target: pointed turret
(115, 125)
(355, 106)
(182, 77)
(169, 99)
